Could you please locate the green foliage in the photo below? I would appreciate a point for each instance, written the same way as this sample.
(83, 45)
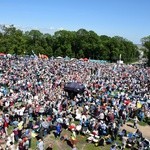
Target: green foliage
(146, 43)
(81, 43)
(147, 120)
(34, 143)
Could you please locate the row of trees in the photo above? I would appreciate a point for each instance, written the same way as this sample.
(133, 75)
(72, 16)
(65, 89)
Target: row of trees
(146, 44)
(81, 43)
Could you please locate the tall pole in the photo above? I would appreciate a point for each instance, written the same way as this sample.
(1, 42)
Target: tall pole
(120, 57)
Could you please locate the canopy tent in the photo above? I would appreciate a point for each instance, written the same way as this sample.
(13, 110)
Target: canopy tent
(2, 54)
(59, 57)
(73, 59)
(9, 55)
(85, 59)
(43, 56)
(74, 87)
(81, 59)
(67, 58)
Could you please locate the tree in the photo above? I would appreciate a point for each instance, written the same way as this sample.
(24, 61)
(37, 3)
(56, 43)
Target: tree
(34, 42)
(58, 52)
(81, 43)
(146, 43)
(12, 40)
(105, 48)
(63, 40)
(80, 54)
(48, 40)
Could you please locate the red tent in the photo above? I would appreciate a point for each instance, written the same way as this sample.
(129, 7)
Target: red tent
(2, 54)
(85, 59)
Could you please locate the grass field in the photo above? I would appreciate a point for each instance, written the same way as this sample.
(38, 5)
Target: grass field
(82, 144)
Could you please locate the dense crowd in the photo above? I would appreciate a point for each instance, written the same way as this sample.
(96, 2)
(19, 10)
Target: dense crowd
(33, 100)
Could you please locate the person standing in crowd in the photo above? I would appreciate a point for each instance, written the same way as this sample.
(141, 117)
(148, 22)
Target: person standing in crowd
(16, 134)
(58, 130)
(1, 148)
(20, 145)
(12, 146)
(26, 143)
(135, 122)
(36, 87)
(40, 144)
(73, 138)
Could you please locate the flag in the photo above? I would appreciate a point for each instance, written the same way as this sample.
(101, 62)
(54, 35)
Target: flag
(35, 56)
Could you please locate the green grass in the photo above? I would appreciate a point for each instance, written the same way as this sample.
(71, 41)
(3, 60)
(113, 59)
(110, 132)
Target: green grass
(142, 123)
(10, 129)
(93, 147)
(33, 143)
(82, 144)
(75, 122)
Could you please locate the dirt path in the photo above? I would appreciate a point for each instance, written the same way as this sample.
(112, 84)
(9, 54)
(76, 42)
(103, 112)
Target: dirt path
(61, 145)
(144, 129)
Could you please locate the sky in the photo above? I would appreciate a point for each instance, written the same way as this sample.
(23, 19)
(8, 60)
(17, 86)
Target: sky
(126, 18)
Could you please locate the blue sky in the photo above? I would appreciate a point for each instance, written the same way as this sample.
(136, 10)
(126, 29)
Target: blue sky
(127, 18)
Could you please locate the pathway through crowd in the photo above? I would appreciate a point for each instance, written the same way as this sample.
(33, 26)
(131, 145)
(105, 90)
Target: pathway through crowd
(144, 129)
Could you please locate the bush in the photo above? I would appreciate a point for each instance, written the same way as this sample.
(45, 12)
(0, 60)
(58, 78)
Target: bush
(147, 120)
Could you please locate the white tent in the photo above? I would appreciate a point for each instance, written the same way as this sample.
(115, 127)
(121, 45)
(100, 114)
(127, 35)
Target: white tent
(59, 57)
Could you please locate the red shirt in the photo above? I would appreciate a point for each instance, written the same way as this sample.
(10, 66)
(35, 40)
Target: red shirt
(5, 124)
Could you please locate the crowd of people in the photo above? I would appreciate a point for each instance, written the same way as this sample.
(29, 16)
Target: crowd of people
(34, 103)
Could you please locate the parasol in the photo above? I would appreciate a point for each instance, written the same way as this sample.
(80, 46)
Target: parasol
(74, 87)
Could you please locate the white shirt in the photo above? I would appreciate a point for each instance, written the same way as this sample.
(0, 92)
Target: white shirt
(12, 147)
(40, 145)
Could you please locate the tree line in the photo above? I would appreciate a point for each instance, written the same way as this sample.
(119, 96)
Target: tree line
(78, 44)
(146, 44)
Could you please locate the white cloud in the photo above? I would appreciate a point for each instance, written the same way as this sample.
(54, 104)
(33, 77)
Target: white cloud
(51, 30)
(61, 28)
